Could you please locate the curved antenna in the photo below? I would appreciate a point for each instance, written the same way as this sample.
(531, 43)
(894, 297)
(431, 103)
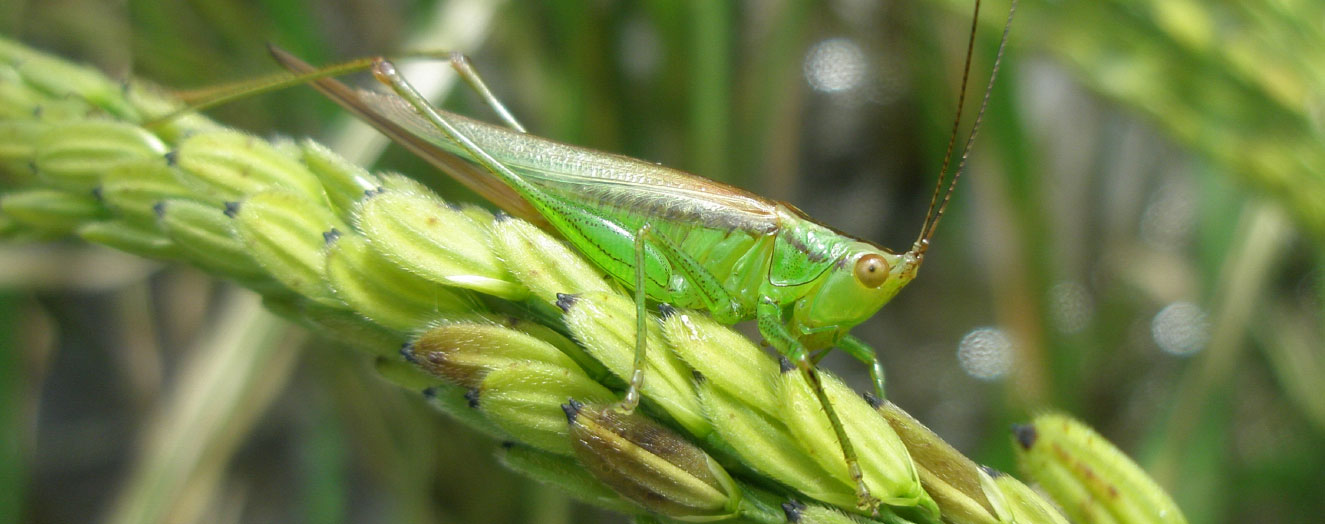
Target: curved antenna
(932, 217)
(956, 122)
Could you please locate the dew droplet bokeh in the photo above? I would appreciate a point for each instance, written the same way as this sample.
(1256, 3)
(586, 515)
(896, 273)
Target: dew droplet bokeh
(1180, 328)
(835, 65)
(985, 353)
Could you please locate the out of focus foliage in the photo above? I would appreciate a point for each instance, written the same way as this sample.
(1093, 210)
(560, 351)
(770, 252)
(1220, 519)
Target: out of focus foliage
(1138, 241)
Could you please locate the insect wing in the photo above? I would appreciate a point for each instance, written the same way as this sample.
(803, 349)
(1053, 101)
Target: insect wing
(364, 104)
(589, 177)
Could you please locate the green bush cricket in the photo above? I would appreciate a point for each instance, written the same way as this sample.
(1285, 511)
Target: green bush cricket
(669, 236)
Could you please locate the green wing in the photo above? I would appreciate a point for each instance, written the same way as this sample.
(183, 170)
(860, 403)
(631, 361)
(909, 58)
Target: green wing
(593, 178)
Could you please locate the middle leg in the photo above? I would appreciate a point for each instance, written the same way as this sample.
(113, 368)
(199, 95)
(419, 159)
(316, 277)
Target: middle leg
(719, 302)
(771, 326)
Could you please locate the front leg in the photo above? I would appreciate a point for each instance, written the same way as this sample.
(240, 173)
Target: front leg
(865, 353)
(769, 318)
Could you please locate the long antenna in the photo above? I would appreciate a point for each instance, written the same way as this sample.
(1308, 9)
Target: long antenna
(932, 217)
(956, 122)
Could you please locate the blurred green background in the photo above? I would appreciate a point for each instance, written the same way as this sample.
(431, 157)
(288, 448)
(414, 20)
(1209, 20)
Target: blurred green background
(1138, 241)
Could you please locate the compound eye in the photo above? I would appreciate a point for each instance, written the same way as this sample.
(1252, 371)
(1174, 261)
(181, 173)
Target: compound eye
(871, 270)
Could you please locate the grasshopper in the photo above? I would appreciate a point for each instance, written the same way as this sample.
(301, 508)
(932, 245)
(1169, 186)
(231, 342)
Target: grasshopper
(669, 236)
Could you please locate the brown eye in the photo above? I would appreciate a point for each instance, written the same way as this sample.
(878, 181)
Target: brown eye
(871, 270)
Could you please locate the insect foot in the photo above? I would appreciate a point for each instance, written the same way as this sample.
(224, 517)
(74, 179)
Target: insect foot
(650, 464)
(1089, 478)
(886, 467)
(604, 323)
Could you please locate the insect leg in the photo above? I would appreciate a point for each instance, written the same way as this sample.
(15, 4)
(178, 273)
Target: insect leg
(631, 399)
(201, 99)
(386, 73)
(865, 353)
(461, 64)
(718, 300)
(769, 317)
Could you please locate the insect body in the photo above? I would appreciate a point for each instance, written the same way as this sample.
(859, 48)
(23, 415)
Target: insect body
(668, 235)
(704, 244)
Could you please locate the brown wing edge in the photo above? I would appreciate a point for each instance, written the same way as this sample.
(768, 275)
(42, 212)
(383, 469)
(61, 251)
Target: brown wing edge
(473, 177)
